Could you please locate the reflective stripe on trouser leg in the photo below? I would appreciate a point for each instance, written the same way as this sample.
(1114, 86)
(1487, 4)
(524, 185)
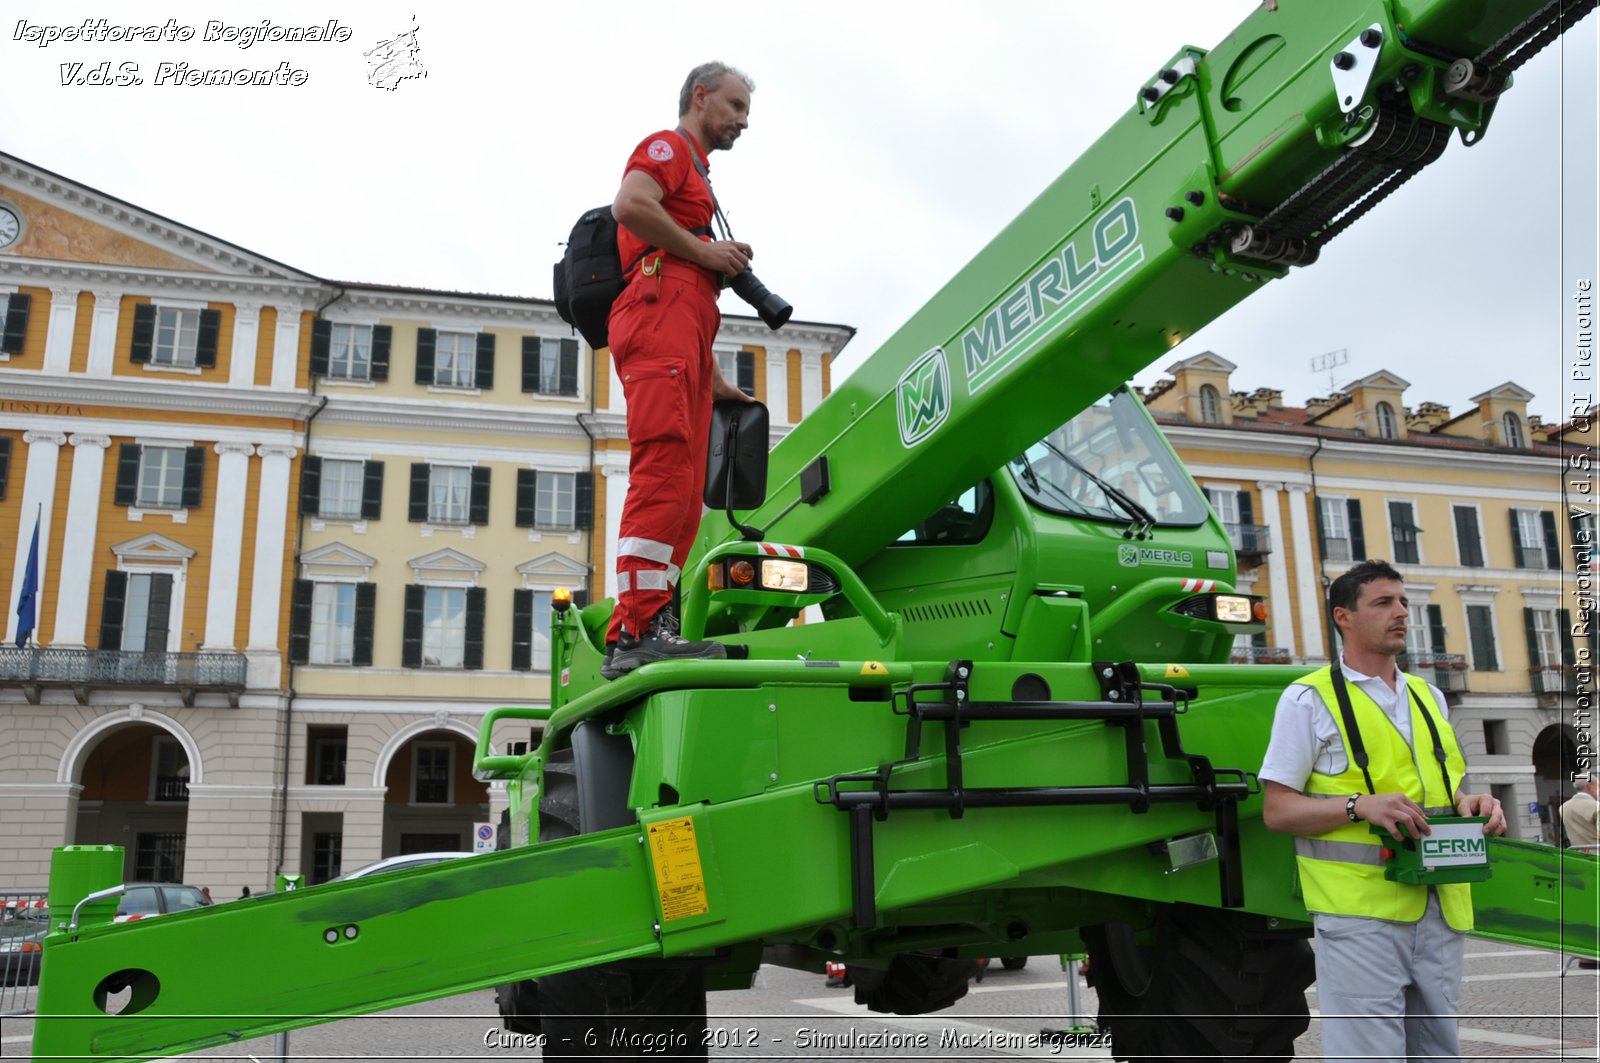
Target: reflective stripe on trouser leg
(649, 549)
(645, 579)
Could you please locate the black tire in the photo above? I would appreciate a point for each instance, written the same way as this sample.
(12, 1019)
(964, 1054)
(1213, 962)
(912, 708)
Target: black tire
(622, 1011)
(914, 984)
(1013, 963)
(625, 1010)
(1216, 985)
(519, 1006)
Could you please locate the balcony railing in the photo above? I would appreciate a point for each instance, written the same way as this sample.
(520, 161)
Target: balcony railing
(1532, 557)
(1447, 671)
(1550, 678)
(1335, 549)
(1250, 540)
(172, 788)
(85, 670)
(1262, 655)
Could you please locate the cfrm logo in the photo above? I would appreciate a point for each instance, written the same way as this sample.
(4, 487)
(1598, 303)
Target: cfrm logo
(1454, 847)
(1128, 556)
(922, 397)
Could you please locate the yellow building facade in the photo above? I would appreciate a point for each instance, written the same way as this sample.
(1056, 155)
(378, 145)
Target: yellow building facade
(295, 537)
(1474, 510)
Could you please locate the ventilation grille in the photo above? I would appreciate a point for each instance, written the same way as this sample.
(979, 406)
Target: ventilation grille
(954, 610)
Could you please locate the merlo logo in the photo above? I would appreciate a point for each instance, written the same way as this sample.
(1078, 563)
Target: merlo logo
(922, 397)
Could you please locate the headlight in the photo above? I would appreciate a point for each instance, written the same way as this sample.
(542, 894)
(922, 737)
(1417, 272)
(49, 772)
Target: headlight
(1224, 608)
(1232, 609)
(794, 576)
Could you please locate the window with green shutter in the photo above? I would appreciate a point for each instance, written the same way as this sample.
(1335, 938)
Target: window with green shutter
(1404, 533)
(1469, 538)
(1480, 637)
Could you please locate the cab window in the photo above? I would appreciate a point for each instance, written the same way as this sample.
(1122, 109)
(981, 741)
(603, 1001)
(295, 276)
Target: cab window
(962, 521)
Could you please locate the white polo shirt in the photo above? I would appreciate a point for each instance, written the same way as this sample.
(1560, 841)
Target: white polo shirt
(1305, 737)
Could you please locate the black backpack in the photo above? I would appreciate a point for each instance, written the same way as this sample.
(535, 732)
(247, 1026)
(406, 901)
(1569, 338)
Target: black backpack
(589, 276)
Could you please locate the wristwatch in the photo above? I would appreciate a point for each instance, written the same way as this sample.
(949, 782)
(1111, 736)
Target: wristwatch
(1350, 808)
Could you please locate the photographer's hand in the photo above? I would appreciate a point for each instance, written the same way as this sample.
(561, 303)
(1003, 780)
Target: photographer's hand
(725, 256)
(722, 388)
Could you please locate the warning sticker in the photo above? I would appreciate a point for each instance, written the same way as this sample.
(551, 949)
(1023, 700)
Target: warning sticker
(1176, 671)
(874, 668)
(680, 879)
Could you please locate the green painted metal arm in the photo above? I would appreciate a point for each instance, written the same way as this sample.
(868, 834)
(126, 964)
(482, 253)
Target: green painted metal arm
(697, 598)
(1541, 896)
(217, 975)
(1100, 275)
(486, 764)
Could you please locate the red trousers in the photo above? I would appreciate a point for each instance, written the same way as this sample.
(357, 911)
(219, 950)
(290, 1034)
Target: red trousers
(661, 331)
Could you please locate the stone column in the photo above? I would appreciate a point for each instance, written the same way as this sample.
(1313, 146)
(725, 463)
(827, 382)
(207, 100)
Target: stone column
(58, 334)
(1310, 582)
(227, 545)
(1278, 582)
(616, 491)
(103, 332)
(246, 335)
(77, 549)
(38, 503)
(778, 384)
(38, 816)
(286, 348)
(810, 381)
(231, 829)
(266, 588)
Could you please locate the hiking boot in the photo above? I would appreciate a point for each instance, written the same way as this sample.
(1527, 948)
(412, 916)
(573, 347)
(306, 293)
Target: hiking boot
(660, 642)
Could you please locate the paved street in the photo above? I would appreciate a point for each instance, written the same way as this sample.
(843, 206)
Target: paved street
(1515, 1006)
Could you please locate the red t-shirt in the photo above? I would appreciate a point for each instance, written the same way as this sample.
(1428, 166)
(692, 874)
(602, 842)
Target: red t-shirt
(665, 157)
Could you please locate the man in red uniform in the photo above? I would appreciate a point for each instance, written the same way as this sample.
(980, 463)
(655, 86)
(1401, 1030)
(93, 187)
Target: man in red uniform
(661, 330)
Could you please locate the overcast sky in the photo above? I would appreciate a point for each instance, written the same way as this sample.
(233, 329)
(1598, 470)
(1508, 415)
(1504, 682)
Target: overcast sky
(888, 142)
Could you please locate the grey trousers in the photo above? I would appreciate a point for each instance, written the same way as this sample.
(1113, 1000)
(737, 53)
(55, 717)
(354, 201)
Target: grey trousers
(1389, 991)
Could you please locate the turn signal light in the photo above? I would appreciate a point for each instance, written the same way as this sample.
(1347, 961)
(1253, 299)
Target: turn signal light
(1259, 610)
(742, 573)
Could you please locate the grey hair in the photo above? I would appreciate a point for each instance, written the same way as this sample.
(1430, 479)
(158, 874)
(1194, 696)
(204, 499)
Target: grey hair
(1583, 783)
(710, 75)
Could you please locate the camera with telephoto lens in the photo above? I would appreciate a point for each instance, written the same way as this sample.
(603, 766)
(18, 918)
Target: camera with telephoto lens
(773, 309)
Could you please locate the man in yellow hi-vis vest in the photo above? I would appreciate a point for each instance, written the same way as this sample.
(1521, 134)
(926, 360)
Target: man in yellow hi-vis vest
(1388, 953)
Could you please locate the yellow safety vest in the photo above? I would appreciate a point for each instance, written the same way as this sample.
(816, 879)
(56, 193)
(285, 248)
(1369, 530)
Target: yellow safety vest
(1341, 872)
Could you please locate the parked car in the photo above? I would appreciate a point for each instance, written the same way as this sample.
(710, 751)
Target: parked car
(140, 900)
(22, 931)
(23, 928)
(398, 863)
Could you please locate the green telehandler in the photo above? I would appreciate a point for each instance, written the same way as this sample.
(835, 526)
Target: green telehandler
(1012, 731)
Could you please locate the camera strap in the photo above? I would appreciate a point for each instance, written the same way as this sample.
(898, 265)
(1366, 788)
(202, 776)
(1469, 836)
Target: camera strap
(700, 168)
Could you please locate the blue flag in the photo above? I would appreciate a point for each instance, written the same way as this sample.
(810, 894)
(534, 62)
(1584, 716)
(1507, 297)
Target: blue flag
(28, 601)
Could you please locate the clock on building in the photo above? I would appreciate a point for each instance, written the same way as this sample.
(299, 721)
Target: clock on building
(10, 227)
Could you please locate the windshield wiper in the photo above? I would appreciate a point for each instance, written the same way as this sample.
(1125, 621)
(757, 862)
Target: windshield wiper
(1141, 524)
(1047, 486)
